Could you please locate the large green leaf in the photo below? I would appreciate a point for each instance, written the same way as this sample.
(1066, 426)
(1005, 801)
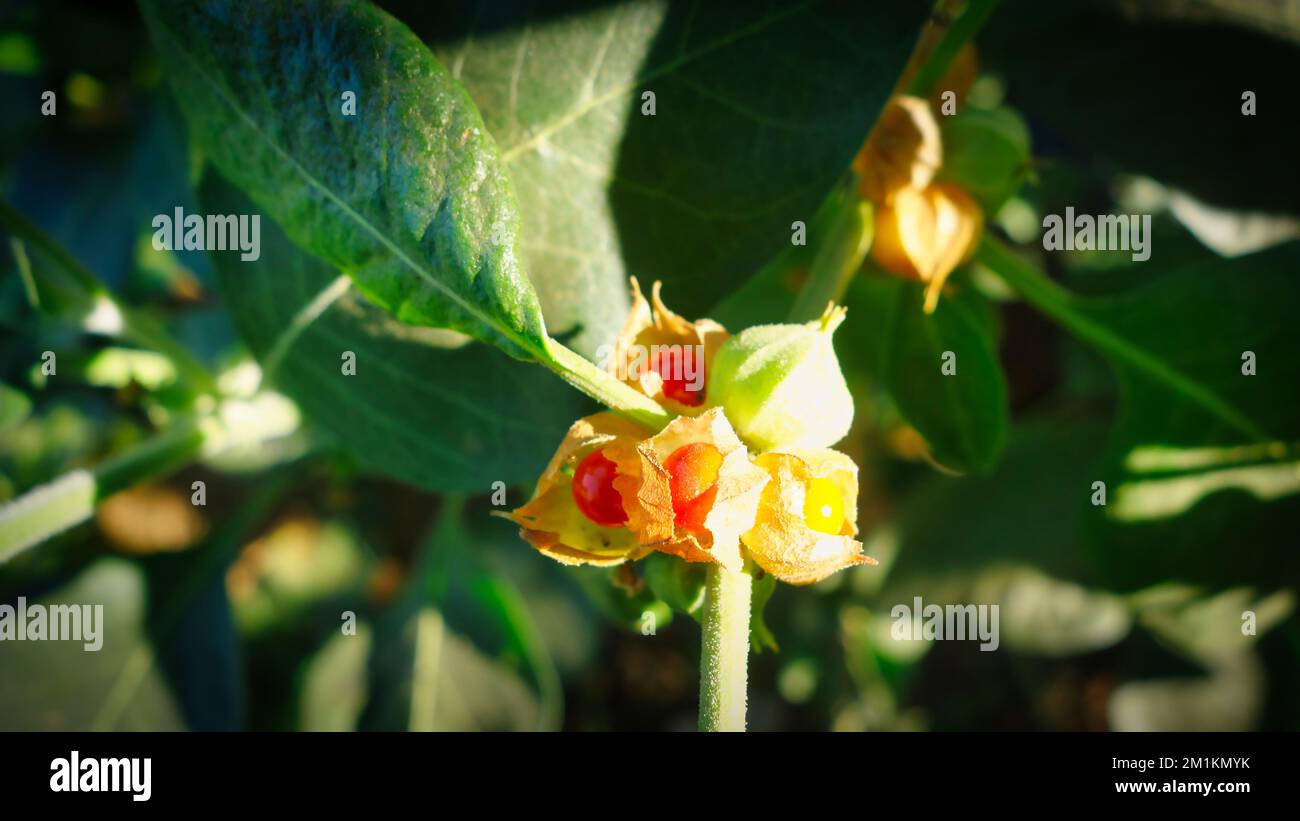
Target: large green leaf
(422, 406)
(1156, 95)
(963, 414)
(1191, 494)
(1202, 477)
(759, 107)
(408, 196)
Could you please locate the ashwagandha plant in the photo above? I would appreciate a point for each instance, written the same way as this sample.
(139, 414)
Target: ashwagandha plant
(708, 490)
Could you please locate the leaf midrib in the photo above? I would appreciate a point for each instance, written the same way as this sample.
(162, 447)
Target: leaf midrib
(383, 238)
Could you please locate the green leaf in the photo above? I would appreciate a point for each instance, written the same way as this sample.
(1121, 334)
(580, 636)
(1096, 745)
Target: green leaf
(190, 621)
(760, 635)
(1208, 629)
(452, 651)
(408, 196)
(14, 408)
(1196, 472)
(962, 415)
(1203, 454)
(1161, 97)
(1030, 562)
(64, 687)
(423, 406)
(334, 684)
(759, 107)
(193, 635)
(1035, 498)
(768, 296)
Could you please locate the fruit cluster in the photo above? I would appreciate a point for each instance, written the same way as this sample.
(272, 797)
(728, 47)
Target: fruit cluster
(923, 229)
(745, 470)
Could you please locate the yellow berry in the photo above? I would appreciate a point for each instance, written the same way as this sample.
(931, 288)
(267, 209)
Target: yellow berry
(823, 506)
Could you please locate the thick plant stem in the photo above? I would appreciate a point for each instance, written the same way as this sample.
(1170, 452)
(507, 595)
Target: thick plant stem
(68, 501)
(838, 259)
(604, 388)
(954, 34)
(724, 659)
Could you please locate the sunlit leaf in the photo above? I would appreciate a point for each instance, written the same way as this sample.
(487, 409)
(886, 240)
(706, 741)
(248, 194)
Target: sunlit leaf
(410, 199)
(606, 191)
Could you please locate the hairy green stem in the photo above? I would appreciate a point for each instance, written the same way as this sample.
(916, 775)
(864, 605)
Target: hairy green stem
(724, 657)
(958, 33)
(838, 258)
(1063, 307)
(69, 500)
(605, 389)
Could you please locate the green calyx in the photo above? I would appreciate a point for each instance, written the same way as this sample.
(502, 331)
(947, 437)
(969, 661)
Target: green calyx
(781, 385)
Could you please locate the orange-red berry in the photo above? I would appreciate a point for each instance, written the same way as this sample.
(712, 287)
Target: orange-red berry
(672, 368)
(693, 483)
(594, 493)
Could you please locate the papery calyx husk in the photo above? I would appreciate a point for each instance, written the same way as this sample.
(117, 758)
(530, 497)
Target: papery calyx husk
(551, 521)
(781, 385)
(652, 325)
(645, 485)
(905, 150)
(925, 235)
(781, 542)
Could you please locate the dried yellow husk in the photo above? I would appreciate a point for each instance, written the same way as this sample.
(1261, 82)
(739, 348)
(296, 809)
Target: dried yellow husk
(551, 520)
(780, 541)
(903, 151)
(644, 484)
(651, 324)
(926, 234)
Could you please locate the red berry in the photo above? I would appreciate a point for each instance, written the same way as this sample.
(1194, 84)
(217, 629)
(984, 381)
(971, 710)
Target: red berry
(693, 482)
(672, 365)
(594, 493)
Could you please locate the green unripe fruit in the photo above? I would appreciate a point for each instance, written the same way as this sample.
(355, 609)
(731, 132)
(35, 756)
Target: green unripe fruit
(781, 386)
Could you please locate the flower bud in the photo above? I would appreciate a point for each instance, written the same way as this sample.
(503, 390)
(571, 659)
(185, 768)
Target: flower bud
(781, 386)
